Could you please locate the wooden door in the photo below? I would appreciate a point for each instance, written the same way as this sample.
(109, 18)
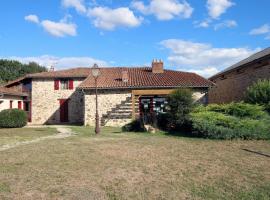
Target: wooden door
(63, 110)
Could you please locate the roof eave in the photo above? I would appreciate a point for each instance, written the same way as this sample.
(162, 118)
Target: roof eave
(142, 87)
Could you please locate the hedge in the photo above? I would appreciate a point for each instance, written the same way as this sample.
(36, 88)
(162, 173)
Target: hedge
(235, 120)
(13, 118)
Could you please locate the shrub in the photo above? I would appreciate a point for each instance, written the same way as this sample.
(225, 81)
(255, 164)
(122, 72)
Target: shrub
(134, 126)
(241, 110)
(163, 121)
(259, 93)
(235, 120)
(180, 104)
(13, 118)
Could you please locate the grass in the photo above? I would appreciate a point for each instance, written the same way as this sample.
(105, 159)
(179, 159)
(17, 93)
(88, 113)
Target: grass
(116, 165)
(11, 136)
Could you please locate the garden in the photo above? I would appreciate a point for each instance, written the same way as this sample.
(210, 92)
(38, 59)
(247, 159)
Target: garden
(249, 119)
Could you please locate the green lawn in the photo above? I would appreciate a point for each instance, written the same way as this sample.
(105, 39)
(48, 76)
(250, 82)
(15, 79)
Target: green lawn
(11, 136)
(116, 165)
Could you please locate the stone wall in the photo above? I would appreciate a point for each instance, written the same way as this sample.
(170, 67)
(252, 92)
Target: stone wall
(45, 102)
(233, 85)
(115, 106)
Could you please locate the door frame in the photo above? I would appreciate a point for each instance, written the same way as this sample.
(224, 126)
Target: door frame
(63, 110)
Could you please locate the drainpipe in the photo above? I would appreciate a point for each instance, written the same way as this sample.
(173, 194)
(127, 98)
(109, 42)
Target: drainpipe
(83, 91)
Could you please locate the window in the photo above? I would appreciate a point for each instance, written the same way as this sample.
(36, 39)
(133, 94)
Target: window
(26, 106)
(223, 77)
(64, 84)
(160, 104)
(10, 104)
(240, 71)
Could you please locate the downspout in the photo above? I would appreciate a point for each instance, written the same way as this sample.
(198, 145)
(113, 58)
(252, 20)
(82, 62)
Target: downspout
(83, 91)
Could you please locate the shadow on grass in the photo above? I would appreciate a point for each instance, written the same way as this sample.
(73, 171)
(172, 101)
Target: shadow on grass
(256, 152)
(182, 133)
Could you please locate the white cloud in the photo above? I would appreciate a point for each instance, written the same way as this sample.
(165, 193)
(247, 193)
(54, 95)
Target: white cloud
(205, 72)
(263, 30)
(57, 29)
(108, 19)
(218, 7)
(32, 18)
(226, 24)
(60, 62)
(164, 9)
(202, 57)
(203, 24)
(78, 5)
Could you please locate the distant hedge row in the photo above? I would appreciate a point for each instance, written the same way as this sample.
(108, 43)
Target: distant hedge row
(13, 118)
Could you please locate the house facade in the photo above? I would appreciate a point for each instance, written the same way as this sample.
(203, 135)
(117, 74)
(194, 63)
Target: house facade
(124, 93)
(12, 98)
(231, 84)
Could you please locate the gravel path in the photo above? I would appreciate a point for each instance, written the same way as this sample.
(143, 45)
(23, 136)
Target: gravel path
(63, 132)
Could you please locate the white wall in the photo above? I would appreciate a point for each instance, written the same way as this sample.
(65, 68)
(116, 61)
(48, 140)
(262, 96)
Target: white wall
(4, 101)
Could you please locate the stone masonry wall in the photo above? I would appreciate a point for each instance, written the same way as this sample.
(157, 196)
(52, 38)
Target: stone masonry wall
(45, 102)
(232, 86)
(108, 101)
(115, 106)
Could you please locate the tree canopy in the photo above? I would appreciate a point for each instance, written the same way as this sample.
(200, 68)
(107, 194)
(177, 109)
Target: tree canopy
(11, 69)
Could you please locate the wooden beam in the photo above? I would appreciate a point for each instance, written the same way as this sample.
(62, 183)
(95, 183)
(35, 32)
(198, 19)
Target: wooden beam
(152, 92)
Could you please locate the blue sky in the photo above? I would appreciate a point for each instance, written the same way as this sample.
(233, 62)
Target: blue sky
(203, 36)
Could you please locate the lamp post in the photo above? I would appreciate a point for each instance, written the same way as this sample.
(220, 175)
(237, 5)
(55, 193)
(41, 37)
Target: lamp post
(96, 73)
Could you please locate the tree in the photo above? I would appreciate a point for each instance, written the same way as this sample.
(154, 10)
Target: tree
(259, 93)
(180, 104)
(11, 70)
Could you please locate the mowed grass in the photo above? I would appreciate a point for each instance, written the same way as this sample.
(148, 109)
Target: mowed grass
(14, 135)
(116, 165)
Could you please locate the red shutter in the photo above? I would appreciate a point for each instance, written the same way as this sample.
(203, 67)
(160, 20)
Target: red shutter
(70, 84)
(56, 84)
(10, 104)
(19, 105)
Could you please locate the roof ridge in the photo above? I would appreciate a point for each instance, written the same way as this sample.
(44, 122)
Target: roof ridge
(253, 57)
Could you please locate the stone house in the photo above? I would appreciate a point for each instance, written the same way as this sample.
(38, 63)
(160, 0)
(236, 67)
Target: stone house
(231, 84)
(12, 98)
(124, 93)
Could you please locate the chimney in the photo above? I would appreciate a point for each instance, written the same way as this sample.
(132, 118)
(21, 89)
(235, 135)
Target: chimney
(125, 75)
(51, 68)
(157, 66)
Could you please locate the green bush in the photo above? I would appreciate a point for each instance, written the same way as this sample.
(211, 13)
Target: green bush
(13, 118)
(134, 126)
(235, 120)
(259, 93)
(163, 121)
(241, 110)
(180, 104)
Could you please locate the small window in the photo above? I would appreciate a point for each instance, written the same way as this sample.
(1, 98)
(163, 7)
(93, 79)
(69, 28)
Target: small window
(64, 84)
(223, 77)
(240, 71)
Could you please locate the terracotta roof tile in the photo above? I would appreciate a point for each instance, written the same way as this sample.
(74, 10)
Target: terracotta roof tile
(11, 91)
(144, 78)
(139, 77)
(81, 72)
